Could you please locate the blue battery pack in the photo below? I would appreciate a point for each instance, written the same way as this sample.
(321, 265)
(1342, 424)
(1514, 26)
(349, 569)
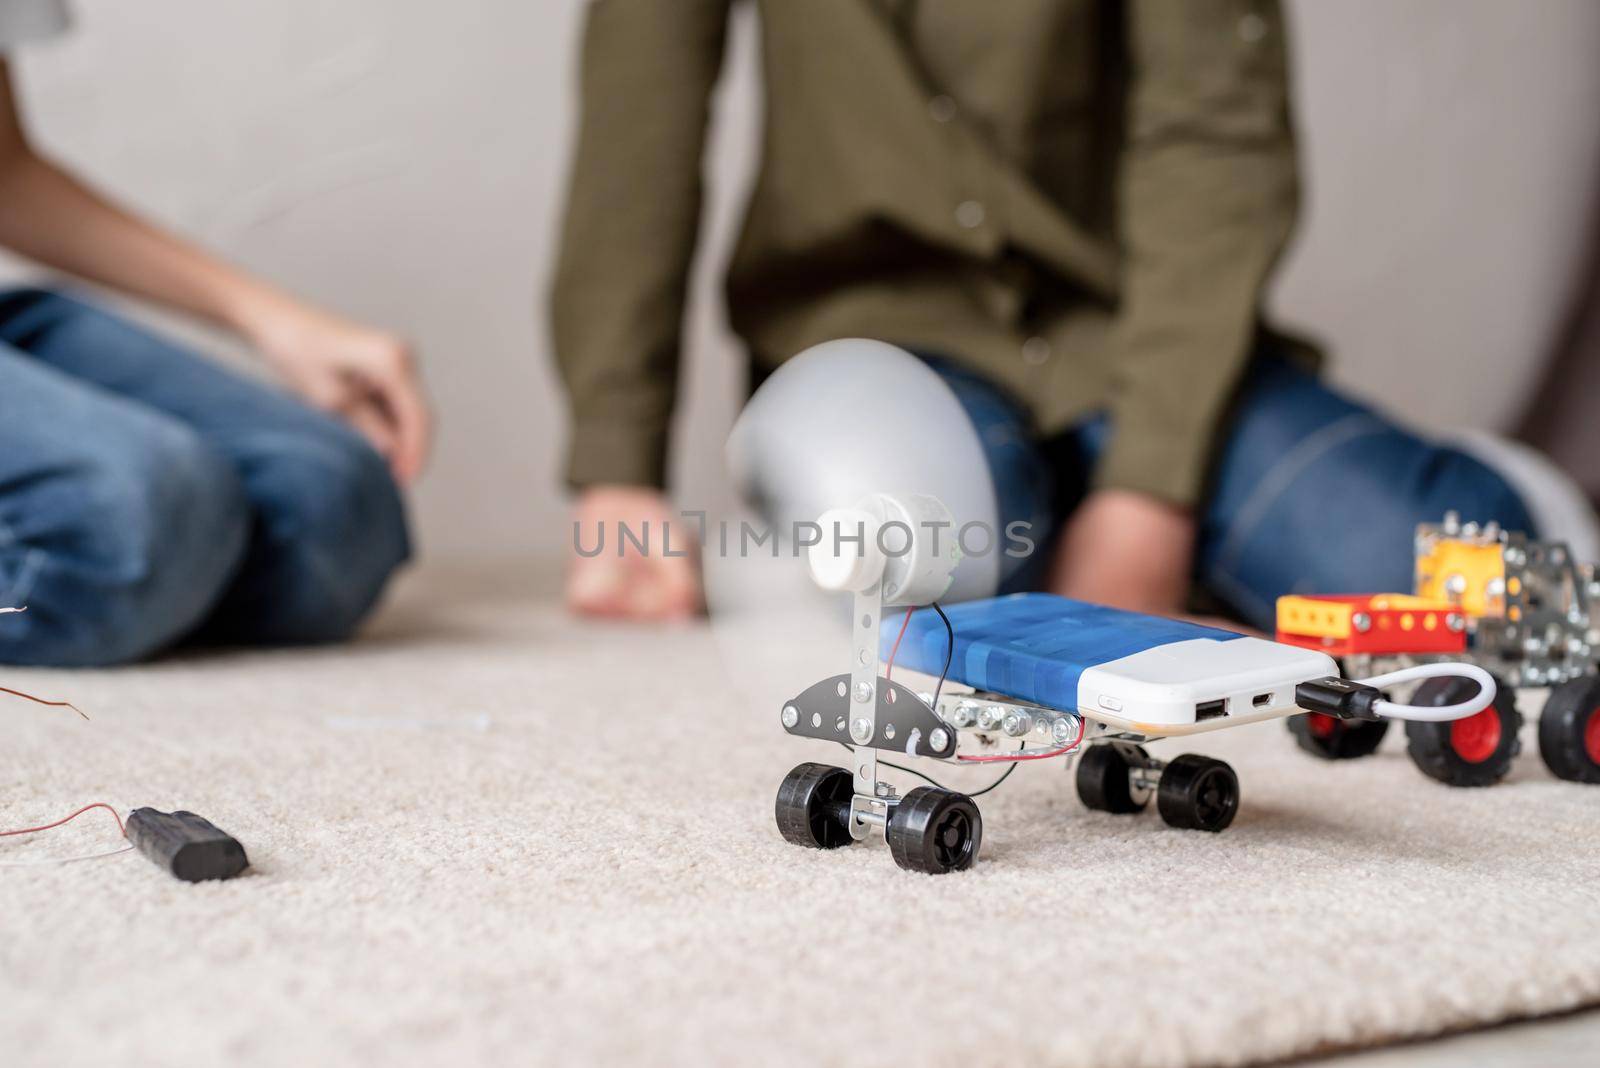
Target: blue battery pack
(1034, 646)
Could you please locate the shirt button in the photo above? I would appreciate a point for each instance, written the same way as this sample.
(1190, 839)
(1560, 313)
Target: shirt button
(1252, 28)
(1035, 350)
(942, 108)
(970, 214)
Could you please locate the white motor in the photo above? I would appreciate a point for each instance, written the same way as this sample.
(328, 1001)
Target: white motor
(908, 541)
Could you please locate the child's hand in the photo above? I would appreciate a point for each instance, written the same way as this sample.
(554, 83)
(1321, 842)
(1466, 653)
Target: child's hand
(1127, 550)
(634, 585)
(365, 376)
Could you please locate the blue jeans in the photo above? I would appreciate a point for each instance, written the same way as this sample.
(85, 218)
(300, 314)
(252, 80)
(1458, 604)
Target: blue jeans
(1311, 492)
(149, 497)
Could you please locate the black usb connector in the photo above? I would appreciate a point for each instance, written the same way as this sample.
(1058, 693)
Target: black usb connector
(1333, 696)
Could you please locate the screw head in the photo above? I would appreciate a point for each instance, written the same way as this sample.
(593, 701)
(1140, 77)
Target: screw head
(1017, 724)
(939, 740)
(990, 716)
(1062, 731)
(861, 730)
(1362, 622)
(965, 715)
(791, 716)
(863, 692)
(1455, 622)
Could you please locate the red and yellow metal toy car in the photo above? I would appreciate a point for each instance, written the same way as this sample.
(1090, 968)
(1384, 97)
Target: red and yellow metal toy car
(1521, 609)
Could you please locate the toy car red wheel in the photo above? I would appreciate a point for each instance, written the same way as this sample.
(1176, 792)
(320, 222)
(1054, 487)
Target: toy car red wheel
(1476, 738)
(1569, 730)
(1332, 738)
(1476, 751)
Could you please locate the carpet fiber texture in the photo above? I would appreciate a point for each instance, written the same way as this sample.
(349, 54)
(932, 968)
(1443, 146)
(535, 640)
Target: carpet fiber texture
(488, 834)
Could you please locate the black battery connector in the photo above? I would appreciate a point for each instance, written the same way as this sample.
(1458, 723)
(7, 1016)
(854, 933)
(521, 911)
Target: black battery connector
(190, 847)
(1341, 698)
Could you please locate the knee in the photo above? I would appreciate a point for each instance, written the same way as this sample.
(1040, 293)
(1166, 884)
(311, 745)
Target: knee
(141, 538)
(31, 314)
(1460, 482)
(337, 524)
(1399, 483)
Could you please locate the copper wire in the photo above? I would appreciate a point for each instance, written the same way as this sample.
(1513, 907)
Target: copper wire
(68, 819)
(43, 701)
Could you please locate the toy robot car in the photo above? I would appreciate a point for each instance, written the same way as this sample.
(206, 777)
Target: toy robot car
(1055, 677)
(1521, 609)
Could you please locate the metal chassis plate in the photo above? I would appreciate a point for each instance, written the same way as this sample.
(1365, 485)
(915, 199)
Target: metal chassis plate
(903, 723)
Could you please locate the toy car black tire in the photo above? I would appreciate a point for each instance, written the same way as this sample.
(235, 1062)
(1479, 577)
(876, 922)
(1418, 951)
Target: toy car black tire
(813, 808)
(1569, 730)
(934, 831)
(1476, 751)
(1198, 793)
(1332, 738)
(1103, 783)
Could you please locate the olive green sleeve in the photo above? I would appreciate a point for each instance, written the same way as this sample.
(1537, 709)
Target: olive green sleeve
(1206, 201)
(632, 214)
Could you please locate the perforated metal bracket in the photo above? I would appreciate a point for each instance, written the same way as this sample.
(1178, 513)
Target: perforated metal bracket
(903, 723)
(868, 713)
(862, 725)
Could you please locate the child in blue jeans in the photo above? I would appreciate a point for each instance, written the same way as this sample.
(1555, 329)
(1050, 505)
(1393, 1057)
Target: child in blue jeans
(149, 497)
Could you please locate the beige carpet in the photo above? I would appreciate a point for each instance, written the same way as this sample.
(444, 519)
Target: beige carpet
(486, 834)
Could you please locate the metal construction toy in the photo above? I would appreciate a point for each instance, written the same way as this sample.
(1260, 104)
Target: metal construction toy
(1523, 610)
(1030, 677)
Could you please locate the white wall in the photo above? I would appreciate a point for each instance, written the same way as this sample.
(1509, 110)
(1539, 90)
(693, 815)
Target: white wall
(1451, 151)
(403, 161)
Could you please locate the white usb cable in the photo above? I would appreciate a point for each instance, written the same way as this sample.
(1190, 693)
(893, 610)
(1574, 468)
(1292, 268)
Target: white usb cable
(1434, 713)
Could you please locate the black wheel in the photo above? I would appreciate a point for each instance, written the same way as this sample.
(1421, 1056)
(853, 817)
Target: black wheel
(813, 807)
(934, 831)
(1198, 793)
(1569, 730)
(1332, 738)
(1476, 751)
(1103, 783)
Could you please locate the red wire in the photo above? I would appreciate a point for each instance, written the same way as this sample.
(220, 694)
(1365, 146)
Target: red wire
(1013, 758)
(42, 701)
(98, 804)
(888, 672)
(1016, 758)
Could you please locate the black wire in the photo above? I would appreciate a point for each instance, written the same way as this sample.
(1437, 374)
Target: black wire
(949, 654)
(912, 771)
(935, 782)
(997, 782)
(930, 779)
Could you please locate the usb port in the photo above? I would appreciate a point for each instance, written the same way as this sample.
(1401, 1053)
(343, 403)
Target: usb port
(1261, 700)
(1210, 710)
